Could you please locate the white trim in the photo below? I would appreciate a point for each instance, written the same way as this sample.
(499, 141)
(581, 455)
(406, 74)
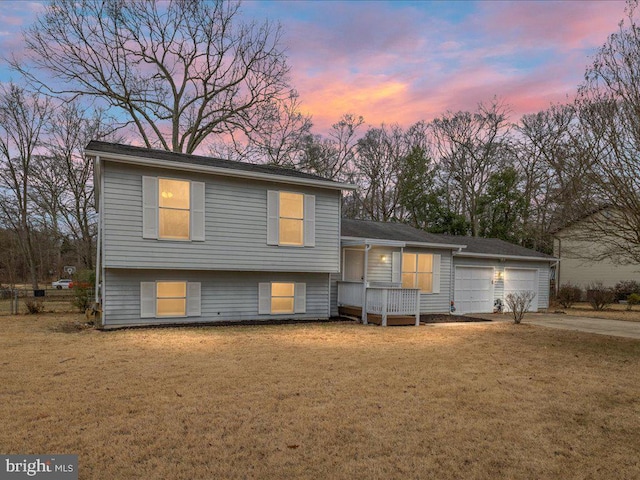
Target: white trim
(227, 172)
(378, 242)
(506, 257)
(493, 283)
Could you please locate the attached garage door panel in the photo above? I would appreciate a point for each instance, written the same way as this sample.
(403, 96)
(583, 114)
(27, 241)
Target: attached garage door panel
(473, 291)
(521, 279)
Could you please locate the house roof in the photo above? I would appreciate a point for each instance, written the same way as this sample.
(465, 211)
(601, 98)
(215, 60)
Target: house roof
(215, 165)
(471, 246)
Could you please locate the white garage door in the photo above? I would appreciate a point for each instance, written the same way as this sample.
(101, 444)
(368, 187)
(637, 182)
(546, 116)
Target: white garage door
(521, 279)
(473, 291)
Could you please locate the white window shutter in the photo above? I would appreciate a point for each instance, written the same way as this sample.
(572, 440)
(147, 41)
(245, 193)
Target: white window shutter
(193, 299)
(147, 299)
(273, 214)
(149, 207)
(300, 298)
(309, 220)
(436, 273)
(264, 298)
(396, 267)
(197, 211)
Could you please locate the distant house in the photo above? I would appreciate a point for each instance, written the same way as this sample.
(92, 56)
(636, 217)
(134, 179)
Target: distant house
(581, 255)
(191, 239)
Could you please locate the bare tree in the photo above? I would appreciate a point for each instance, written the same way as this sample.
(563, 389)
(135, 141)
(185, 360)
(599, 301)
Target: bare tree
(332, 157)
(179, 71)
(471, 147)
(22, 120)
(609, 114)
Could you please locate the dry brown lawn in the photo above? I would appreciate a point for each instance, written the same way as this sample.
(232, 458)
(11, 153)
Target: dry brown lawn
(612, 312)
(322, 401)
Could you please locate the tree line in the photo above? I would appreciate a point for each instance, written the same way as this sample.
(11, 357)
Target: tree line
(195, 77)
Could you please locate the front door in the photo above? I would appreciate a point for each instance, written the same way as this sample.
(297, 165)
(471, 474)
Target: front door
(353, 265)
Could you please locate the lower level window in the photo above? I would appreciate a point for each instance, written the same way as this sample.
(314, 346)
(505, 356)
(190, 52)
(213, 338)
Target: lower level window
(171, 299)
(282, 297)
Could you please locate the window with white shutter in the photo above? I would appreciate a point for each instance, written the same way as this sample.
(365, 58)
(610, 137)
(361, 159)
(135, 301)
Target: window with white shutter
(170, 299)
(291, 219)
(279, 298)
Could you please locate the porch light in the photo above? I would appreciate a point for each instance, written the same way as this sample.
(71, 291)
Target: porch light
(383, 258)
(499, 275)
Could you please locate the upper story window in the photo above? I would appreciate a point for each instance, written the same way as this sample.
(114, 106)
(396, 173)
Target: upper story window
(174, 201)
(291, 219)
(172, 209)
(417, 271)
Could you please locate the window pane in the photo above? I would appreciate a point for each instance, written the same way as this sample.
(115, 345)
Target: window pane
(409, 280)
(408, 262)
(425, 283)
(281, 305)
(425, 263)
(290, 232)
(173, 193)
(282, 289)
(174, 224)
(291, 205)
(172, 289)
(171, 307)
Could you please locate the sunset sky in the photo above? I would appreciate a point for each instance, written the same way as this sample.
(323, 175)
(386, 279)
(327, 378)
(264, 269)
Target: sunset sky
(408, 61)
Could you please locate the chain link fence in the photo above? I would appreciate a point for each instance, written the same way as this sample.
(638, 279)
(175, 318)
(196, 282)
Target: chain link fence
(18, 300)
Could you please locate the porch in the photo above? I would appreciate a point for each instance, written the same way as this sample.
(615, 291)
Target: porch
(379, 304)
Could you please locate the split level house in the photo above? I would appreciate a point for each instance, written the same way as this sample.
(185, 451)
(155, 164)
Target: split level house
(191, 239)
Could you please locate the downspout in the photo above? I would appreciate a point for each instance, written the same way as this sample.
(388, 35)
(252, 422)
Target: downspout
(452, 306)
(365, 283)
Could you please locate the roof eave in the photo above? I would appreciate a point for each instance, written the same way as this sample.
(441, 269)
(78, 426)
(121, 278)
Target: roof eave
(401, 243)
(506, 257)
(192, 167)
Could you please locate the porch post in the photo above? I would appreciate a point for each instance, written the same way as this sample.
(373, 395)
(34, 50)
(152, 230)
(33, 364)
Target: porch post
(364, 283)
(385, 299)
(418, 309)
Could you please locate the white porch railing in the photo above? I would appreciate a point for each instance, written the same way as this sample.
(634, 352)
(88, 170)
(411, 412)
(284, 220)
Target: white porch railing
(383, 301)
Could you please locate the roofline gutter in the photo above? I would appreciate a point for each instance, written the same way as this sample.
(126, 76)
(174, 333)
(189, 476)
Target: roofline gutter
(269, 177)
(400, 243)
(506, 257)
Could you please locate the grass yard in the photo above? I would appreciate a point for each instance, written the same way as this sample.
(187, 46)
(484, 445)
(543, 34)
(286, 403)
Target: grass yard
(322, 401)
(612, 312)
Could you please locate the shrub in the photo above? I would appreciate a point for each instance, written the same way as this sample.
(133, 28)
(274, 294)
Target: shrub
(519, 303)
(82, 289)
(569, 294)
(34, 306)
(600, 296)
(625, 288)
(633, 299)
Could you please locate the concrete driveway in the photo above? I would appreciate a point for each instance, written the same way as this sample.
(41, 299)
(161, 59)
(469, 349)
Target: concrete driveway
(616, 328)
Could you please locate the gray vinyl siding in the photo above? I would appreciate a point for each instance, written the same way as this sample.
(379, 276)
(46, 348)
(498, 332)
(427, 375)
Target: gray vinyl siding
(334, 278)
(235, 227)
(498, 286)
(225, 296)
(379, 271)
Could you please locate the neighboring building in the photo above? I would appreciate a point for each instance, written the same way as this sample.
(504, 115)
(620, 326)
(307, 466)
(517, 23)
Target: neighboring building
(187, 239)
(581, 256)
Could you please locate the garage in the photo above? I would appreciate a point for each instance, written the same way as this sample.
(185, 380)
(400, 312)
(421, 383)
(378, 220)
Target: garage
(473, 292)
(521, 279)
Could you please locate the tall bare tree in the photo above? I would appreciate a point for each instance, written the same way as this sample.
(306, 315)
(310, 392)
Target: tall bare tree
(23, 117)
(609, 114)
(178, 71)
(471, 147)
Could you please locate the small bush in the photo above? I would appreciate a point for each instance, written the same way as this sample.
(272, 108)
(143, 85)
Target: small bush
(82, 289)
(633, 299)
(599, 296)
(519, 303)
(568, 294)
(34, 306)
(625, 288)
